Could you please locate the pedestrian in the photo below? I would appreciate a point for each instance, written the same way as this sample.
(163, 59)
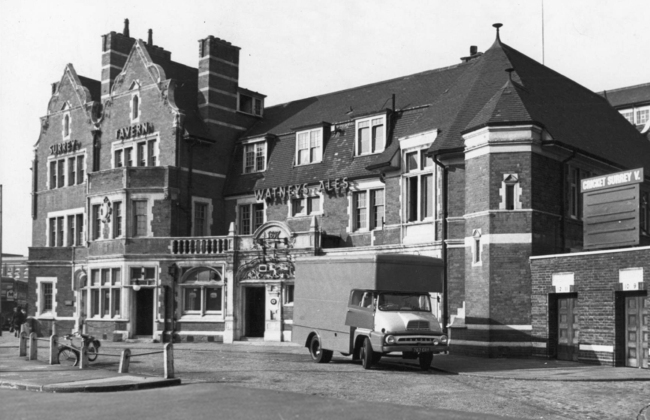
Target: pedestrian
(17, 320)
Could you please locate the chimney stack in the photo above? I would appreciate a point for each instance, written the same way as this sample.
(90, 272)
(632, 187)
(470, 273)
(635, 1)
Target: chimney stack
(115, 50)
(473, 50)
(218, 82)
(150, 37)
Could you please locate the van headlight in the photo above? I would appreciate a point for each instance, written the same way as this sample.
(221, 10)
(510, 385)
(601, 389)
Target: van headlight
(442, 340)
(390, 339)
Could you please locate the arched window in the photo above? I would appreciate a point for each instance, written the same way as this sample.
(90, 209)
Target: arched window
(202, 291)
(135, 107)
(66, 125)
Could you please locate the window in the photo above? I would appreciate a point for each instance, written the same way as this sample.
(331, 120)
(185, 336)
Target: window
(47, 296)
(251, 217)
(255, 157)
(377, 209)
(140, 218)
(202, 292)
(105, 292)
(476, 247)
(360, 210)
(117, 162)
(72, 178)
(52, 231)
(66, 126)
(61, 173)
(288, 294)
(368, 209)
(306, 206)
(642, 116)
(629, 115)
(128, 157)
(200, 219)
(510, 192)
(151, 151)
(117, 219)
(65, 230)
(71, 230)
(135, 107)
(309, 146)
(371, 135)
(96, 222)
(74, 168)
(59, 231)
(418, 186)
(79, 230)
(250, 105)
(142, 157)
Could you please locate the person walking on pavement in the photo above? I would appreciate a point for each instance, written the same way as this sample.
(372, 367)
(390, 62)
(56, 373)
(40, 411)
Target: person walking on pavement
(17, 320)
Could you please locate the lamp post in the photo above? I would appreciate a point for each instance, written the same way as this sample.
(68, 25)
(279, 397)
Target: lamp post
(173, 272)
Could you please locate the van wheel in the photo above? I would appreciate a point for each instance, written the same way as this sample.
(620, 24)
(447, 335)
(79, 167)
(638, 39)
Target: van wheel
(365, 353)
(425, 361)
(318, 354)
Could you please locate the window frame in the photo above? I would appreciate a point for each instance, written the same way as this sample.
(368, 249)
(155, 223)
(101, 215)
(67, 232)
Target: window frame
(59, 230)
(424, 208)
(254, 225)
(254, 104)
(142, 152)
(136, 225)
(203, 286)
(106, 289)
(207, 228)
(368, 188)
(319, 131)
(62, 175)
(46, 306)
(256, 157)
(306, 202)
(369, 120)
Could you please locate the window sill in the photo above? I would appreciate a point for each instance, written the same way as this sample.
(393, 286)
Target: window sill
(370, 154)
(426, 221)
(307, 164)
(363, 231)
(47, 316)
(105, 319)
(201, 318)
(304, 216)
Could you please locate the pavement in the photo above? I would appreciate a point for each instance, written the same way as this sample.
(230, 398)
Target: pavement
(19, 373)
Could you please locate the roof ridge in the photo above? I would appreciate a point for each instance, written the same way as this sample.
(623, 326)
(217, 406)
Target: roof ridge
(623, 88)
(372, 84)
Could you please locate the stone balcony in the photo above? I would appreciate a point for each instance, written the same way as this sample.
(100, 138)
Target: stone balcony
(131, 177)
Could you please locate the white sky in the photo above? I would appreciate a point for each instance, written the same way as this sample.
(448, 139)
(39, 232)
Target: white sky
(295, 49)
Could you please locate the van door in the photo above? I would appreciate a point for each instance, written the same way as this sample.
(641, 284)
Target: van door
(361, 309)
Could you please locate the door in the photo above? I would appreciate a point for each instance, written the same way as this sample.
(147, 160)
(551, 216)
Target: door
(255, 311)
(636, 331)
(144, 312)
(568, 328)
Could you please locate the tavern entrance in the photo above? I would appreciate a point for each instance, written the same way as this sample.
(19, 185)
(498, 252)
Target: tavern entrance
(568, 328)
(255, 311)
(144, 311)
(637, 328)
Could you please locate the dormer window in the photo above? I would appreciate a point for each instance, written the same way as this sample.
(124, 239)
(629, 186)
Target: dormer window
(309, 146)
(250, 105)
(255, 157)
(370, 135)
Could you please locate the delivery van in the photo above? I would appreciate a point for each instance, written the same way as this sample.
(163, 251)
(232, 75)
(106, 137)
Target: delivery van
(368, 307)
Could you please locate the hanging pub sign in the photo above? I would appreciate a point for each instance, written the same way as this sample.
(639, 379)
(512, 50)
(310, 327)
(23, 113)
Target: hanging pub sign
(65, 147)
(135, 130)
(302, 190)
(611, 209)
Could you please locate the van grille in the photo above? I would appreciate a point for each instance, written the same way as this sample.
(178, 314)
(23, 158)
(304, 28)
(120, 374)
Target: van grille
(417, 325)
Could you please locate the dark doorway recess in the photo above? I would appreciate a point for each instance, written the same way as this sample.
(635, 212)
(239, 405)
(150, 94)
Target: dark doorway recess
(255, 311)
(144, 312)
(568, 328)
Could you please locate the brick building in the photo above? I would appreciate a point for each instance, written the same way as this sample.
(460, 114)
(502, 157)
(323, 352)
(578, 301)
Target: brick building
(633, 102)
(169, 201)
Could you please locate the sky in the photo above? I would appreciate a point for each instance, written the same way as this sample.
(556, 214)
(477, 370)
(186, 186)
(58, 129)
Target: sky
(294, 49)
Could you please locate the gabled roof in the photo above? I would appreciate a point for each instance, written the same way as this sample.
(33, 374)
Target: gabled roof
(628, 96)
(453, 101)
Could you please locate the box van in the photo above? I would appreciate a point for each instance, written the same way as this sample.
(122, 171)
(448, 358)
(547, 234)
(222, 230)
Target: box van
(368, 307)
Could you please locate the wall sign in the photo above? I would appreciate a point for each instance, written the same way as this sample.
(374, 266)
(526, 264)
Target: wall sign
(633, 176)
(135, 130)
(302, 190)
(65, 147)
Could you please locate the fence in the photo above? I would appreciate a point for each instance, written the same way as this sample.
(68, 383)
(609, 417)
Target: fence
(125, 356)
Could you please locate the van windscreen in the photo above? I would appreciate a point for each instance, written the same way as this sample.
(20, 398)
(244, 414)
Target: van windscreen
(404, 302)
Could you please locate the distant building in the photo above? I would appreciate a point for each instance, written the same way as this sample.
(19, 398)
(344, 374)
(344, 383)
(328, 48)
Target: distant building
(633, 102)
(171, 203)
(13, 287)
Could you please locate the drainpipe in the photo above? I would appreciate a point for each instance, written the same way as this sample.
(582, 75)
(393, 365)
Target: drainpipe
(445, 295)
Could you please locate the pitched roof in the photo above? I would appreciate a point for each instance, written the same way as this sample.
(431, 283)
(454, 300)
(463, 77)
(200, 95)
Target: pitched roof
(452, 100)
(628, 96)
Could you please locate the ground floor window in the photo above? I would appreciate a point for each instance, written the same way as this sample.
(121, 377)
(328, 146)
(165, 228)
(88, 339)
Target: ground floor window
(202, 291)
(105, 292)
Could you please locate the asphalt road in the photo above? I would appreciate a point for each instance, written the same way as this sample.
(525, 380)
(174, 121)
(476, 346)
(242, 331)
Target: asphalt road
(246, 381)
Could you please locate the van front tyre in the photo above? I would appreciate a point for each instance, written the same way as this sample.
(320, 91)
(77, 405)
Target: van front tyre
(365, 354)
(318, 354)
(425, 361)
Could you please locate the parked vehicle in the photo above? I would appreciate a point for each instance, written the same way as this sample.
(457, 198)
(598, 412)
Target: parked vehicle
(69, 354)
(368, 307)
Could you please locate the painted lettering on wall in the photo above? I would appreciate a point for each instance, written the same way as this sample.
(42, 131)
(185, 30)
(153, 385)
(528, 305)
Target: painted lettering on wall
(302, 190)
(65, 147)
(135, 130)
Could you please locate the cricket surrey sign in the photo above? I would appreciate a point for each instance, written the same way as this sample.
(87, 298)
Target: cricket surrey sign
(611, 209)
(302, 190)
(135, 130)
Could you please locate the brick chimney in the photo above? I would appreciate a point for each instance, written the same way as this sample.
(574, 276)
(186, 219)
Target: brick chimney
(218, 82)
(115, 50)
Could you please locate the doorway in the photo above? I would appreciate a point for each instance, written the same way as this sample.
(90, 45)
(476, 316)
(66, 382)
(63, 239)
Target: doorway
(567, 328)
(637, 316)
(255, 311)
(144, 312)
